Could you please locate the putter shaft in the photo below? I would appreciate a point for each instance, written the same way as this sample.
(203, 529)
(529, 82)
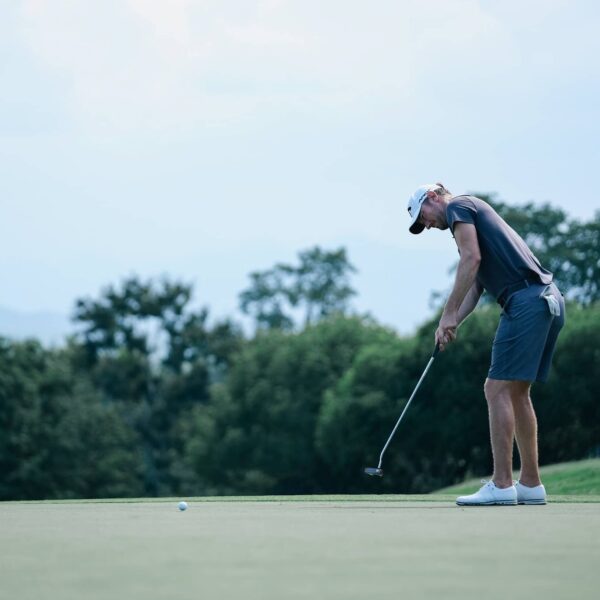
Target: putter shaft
(435, 352)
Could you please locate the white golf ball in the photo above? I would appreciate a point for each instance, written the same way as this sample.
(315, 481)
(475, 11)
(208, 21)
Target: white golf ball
(182, 505)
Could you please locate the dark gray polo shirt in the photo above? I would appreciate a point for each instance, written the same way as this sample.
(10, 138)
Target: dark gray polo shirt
(505, 257)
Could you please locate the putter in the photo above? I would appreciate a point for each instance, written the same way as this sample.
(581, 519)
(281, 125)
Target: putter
(378, 471)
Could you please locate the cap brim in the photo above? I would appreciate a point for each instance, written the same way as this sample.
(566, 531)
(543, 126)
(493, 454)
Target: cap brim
(416, 227)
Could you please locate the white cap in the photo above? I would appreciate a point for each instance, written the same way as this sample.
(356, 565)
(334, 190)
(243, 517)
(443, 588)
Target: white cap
(414, 205)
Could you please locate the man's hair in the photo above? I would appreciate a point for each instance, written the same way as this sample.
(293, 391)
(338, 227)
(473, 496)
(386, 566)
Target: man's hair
(442, 191)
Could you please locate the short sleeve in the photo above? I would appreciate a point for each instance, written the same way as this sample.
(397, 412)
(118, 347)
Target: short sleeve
(461, 210)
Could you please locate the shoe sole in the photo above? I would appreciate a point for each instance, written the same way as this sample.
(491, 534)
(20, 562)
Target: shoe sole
(532, 502)
(493, 503)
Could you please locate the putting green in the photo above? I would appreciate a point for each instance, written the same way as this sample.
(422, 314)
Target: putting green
(340, 548)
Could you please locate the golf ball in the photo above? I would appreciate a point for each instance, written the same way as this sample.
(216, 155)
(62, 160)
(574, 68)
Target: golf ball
(182, 505)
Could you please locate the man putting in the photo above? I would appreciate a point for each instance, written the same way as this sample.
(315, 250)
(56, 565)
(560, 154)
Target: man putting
(495, 258)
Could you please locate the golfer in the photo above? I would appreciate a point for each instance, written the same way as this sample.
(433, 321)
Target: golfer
(495, 258)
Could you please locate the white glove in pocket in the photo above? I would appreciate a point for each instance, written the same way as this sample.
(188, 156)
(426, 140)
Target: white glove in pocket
(553, 305)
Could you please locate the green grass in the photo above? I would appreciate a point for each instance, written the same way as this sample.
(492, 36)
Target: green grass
(444, 496)
(581, 478)
(274, 548)
(277, 499)
(326, 547)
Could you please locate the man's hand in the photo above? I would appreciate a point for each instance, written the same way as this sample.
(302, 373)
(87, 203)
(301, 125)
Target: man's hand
(446, 331)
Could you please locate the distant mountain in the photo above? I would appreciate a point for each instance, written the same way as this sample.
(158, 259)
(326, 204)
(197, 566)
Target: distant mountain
(50, 328)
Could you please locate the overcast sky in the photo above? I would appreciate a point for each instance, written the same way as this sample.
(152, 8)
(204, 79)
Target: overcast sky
(204, 139)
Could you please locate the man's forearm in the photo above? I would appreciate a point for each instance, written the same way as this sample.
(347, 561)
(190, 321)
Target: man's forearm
(465, 235)
(469, 303)
(465, 278)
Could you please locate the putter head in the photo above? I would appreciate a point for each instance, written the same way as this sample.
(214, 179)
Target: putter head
(374, 471)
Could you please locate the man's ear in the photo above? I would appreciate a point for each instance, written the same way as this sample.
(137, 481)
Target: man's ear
(432, 195)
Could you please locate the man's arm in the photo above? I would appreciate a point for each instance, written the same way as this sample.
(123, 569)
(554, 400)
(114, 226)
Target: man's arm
(465, 235)
(470, 302)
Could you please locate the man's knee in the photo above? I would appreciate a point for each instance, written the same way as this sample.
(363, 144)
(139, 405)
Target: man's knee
(496, 390)
(520, 393)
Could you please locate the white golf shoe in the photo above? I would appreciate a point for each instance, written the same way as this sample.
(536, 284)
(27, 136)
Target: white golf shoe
(530, 495)
(490, 495)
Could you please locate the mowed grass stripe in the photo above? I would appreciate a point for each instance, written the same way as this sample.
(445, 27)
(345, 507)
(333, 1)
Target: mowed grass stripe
(286, 498)
(367, 498)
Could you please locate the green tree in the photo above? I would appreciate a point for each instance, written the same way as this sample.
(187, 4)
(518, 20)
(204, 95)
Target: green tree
(267, 300)
(580, 270)
(147, 352)
(568, 408)
(444, 434)
(121, 319)
(317, 287)
(257, 434)
(59, 440)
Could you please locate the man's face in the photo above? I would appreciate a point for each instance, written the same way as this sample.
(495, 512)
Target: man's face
(433, 213)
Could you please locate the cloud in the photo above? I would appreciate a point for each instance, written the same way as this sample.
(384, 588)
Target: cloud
(169, 20)
(155, 65)
(149, 64)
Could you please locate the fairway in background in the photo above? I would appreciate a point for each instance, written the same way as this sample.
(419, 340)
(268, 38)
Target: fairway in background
(570, 478)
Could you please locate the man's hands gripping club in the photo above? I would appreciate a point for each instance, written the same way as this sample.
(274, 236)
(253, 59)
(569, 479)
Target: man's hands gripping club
(446, 331)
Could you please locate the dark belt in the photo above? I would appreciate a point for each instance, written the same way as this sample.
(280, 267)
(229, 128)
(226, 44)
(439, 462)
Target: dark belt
(513, 288)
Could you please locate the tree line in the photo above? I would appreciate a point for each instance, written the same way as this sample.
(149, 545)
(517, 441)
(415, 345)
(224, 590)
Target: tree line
(151, 397)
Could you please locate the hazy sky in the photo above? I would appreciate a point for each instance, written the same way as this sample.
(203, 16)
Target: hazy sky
(205, 139)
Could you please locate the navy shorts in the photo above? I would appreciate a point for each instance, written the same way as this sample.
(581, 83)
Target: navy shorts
(526, 335)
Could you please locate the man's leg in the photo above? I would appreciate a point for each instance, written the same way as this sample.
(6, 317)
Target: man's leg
(498, 395)
(502, 433)
(526, 433)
